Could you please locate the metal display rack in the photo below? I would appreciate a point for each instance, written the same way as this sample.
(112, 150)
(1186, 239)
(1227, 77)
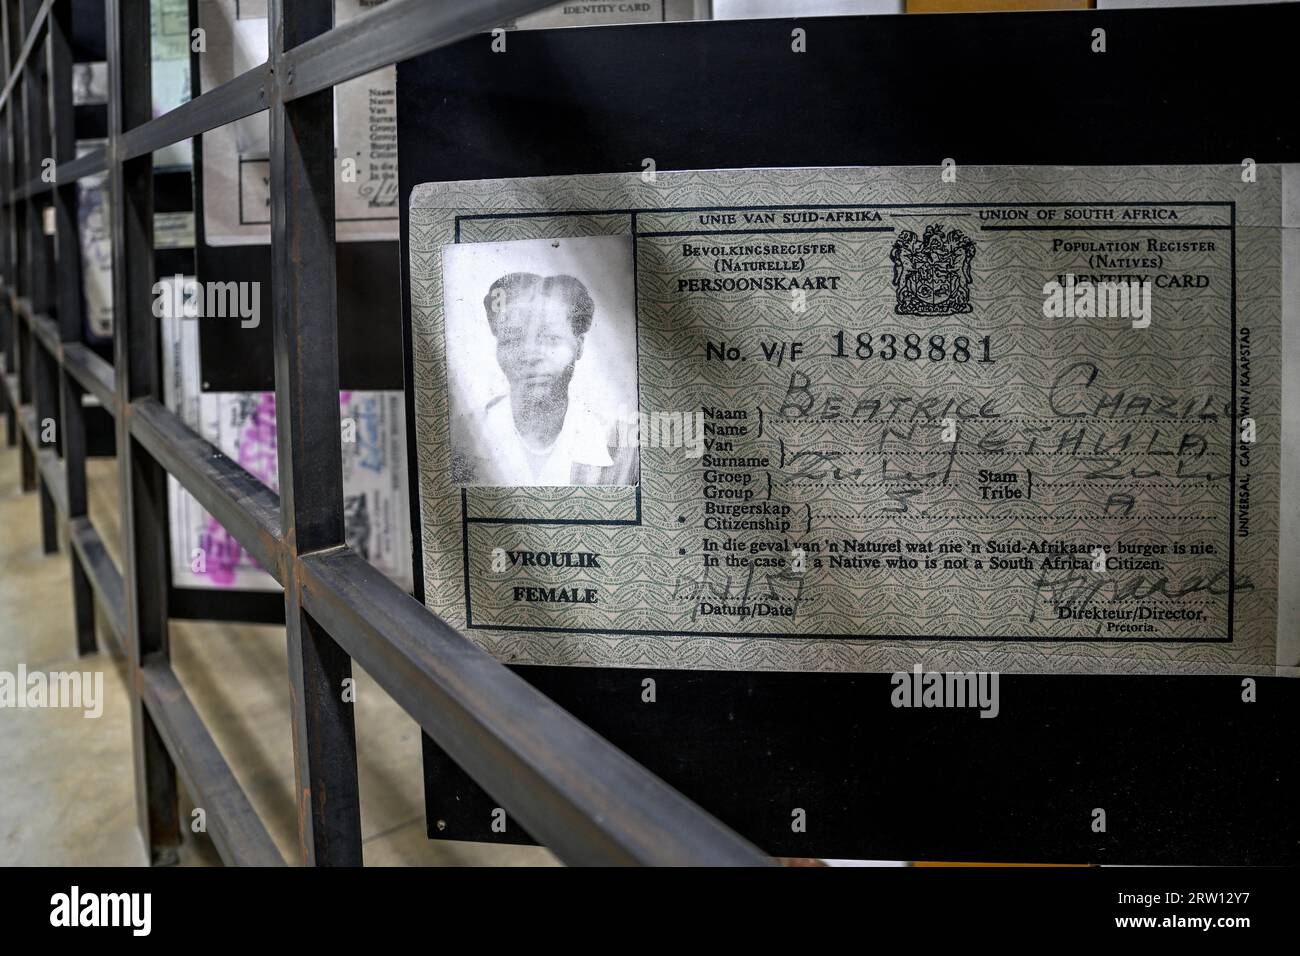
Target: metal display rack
(566, 786)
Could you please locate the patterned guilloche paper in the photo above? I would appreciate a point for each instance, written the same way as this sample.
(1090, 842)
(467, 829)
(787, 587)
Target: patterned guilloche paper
(1020, 419)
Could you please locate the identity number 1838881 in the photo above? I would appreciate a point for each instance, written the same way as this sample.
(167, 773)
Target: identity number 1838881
(913, 347)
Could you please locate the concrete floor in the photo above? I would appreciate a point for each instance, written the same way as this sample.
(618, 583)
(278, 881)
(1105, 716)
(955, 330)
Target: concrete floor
(66, 782)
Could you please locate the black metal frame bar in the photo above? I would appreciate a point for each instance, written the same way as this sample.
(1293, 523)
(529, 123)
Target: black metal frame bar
(565, 785)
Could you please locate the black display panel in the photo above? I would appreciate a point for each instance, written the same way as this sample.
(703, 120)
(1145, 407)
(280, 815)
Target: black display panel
(1186, 771)
(235, 359)
(91, 121)
(88, 36)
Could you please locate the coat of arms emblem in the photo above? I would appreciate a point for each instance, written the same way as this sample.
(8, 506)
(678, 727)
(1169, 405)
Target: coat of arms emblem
(932, 273)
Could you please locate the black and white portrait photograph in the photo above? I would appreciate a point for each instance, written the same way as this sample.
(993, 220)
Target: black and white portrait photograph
(541, 361)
